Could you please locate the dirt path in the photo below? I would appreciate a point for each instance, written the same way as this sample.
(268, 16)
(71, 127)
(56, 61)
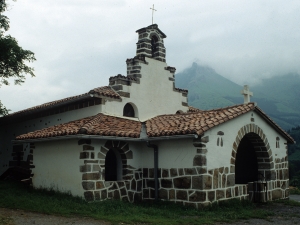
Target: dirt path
(20, 217)
(283, 215)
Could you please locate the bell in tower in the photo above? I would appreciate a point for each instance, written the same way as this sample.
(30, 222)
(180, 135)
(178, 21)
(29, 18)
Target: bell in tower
(151, 43)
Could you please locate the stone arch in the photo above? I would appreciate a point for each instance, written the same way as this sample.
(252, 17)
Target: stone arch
(263, 152)
(122, 149)
(93, 172)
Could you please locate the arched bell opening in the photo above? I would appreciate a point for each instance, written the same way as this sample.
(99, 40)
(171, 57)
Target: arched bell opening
(154, 41)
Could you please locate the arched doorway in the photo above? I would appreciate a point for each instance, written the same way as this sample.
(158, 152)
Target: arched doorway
(113, 166)
(111, 172)
(252, 162)
(246, 166)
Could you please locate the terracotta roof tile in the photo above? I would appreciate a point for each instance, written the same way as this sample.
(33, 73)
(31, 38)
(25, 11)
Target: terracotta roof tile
(105, 91)
(45, 105)
(95, 125)
(196, 122)
(193, 109)
(165, 125)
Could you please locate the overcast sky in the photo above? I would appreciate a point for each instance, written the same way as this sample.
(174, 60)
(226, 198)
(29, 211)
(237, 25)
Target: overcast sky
(79, 44)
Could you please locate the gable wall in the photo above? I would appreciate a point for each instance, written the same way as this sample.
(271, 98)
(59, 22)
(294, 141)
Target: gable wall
(153, 96)
(230, 130)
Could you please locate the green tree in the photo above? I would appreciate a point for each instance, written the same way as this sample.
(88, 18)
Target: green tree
(13, 58)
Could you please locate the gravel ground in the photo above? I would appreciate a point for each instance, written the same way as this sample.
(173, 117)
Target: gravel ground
(284, 215)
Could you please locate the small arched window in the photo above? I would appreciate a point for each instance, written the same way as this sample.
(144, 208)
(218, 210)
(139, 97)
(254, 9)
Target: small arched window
(277, 142)
(128, 110)
(220, 139)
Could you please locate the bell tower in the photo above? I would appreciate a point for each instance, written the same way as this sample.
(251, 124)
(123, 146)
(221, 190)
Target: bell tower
(151, 43)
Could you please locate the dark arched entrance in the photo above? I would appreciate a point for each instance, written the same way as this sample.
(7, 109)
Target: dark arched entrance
(111, 166)
(252, 162)
(246, 166)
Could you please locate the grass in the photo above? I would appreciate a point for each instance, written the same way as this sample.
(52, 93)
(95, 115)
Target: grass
(17, 196)
(290, 202)
(5, 220)
(294, 191)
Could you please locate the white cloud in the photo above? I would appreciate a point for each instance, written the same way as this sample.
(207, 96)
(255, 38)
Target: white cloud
(80, 44)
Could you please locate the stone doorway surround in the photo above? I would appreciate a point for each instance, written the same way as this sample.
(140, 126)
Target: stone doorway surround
(274, 171)
(93, 174)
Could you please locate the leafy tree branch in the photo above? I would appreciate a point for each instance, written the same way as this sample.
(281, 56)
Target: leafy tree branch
(13, 58)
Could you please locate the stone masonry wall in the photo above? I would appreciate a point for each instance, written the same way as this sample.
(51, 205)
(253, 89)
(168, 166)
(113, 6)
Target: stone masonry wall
(193, 186)
(275, 179)
(93, 174)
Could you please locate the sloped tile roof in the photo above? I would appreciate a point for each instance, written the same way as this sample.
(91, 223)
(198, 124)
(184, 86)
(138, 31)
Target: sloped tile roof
(193, 123)
(48, 104)
(99, 124)
(193, 109)
(197, 121)
(105, 91)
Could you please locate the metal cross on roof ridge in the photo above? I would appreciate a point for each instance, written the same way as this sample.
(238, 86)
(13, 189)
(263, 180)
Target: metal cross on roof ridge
(247, 93)
(153, 12)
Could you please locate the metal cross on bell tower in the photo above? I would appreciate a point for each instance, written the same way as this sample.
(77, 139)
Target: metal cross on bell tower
(153, 12)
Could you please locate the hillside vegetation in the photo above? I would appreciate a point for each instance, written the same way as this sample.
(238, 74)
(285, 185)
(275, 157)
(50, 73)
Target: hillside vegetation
(276, 96)
(294, 157)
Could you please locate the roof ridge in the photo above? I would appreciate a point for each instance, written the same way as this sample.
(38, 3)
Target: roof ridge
(85, 128)
(228, 107)
(274, 123)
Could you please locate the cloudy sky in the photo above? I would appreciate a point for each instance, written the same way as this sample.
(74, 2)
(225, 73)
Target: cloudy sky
(79, 44)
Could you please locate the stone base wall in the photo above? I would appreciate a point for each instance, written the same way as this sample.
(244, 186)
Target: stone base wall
(193, 186)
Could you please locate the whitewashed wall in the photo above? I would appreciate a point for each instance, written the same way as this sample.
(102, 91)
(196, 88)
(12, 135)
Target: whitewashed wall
(9, 132)
(218, 156)
(57, 166)
(153, 96)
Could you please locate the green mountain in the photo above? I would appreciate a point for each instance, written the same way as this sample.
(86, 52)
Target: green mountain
(277, 96)
(207, 89)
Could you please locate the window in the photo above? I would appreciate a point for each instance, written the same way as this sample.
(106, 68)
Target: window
(128, 110)
(277, 142)
(220, 139)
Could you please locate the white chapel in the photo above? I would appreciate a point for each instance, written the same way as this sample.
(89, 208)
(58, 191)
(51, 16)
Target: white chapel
(138, 139)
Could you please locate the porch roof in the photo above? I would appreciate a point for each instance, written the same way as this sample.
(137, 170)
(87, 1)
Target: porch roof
(193, 122)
